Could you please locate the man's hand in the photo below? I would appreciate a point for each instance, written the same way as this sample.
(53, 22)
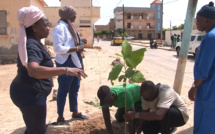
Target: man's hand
(130, 115)
(192, 94)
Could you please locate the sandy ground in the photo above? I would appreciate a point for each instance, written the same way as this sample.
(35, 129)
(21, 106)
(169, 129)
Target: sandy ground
(97, 66)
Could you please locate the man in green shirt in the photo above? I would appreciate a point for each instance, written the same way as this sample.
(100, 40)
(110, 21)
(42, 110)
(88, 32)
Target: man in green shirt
(116, 96)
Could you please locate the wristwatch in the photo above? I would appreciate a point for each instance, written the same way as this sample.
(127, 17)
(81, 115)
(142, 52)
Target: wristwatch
(194, 85)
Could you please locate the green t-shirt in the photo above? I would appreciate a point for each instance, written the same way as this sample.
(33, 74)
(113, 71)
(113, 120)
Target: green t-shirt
(132, 94)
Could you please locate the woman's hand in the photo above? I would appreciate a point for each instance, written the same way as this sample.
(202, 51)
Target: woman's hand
(80, 48)
(84, 40)
(76, 72)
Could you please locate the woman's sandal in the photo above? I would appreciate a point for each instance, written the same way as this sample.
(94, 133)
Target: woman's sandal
(80, 116)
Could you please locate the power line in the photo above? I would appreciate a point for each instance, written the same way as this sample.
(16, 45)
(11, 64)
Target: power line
(170, 2)
(119, 3)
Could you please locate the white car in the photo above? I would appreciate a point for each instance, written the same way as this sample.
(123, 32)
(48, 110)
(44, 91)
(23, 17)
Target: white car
(129, 37)
(194, 43)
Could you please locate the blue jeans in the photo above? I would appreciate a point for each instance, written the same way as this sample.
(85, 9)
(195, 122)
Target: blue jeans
(67, 84)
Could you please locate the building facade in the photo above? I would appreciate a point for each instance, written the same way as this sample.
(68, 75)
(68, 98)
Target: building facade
(87, 15)
(9, 27)
(140, 22)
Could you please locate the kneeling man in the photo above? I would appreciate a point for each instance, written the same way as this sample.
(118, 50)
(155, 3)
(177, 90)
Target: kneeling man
(163, 109)
(116, 96)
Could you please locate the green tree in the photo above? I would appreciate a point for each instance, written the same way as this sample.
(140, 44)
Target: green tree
(127, 70)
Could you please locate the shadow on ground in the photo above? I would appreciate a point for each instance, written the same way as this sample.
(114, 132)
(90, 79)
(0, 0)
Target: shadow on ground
(19, 131)
(189, 57)
(187, 131)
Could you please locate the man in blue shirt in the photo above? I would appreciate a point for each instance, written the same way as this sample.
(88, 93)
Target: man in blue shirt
(203, 88)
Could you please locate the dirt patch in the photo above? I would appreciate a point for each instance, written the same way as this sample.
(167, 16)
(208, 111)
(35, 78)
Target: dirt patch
(95, 125)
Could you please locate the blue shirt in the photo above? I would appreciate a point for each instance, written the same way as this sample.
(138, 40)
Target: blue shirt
(204, 68)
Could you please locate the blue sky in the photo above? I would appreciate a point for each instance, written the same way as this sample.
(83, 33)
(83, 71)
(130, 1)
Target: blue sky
(174, 10)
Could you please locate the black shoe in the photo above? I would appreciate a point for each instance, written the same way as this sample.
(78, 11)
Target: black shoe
(80, 116)
(60, 121)
(172, 130)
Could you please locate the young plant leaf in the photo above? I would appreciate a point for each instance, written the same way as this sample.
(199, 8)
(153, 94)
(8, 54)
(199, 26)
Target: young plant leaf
(129, 72)
(118, 54)
(135, 57)
(121, 77)
(137, 76)
(113, 75)
(126, 49)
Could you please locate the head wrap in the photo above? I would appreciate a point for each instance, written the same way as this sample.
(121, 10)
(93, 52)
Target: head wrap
(67, 12)
(27, 16)
(207, 11)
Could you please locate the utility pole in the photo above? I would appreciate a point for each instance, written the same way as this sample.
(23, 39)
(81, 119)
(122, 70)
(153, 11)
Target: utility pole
(161, 22)
(123, 21)
(170, 28)
(179, 76)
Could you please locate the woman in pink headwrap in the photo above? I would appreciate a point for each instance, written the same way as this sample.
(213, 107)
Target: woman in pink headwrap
(69, 53)
(33, 83)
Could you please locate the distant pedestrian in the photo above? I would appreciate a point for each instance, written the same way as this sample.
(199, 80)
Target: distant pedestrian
(97, 39)
(202, 90)
(171, 41)
(174, 41)
(178, 38)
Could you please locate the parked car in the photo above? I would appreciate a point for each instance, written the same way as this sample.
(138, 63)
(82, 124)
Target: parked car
(129, 37)
(116, 41)
(195, 41)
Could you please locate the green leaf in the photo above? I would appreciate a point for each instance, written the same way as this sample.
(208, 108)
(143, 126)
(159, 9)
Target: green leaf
(135, 57)
(113, 75)
(112, 83)
(126, 49)
(121, 77)
(129, 72)
(137, 76)
(118, 54)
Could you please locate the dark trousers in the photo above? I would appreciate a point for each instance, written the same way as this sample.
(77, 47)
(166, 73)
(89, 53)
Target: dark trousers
(173, 118)
(121, 111)
(33, 108)
(67, 84)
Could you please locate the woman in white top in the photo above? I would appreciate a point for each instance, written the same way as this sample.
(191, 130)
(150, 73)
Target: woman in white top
(68, 54)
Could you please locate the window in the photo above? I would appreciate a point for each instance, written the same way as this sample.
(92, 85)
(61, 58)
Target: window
(129, 16)
(85, 21)
(159, 15)
(128, 25)
(141, 14)
(192, 38)
(3, 22)
(200, 38)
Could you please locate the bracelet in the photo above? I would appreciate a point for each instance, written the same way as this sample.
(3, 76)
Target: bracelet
(137, 115)
(77, 48)
(66, 70)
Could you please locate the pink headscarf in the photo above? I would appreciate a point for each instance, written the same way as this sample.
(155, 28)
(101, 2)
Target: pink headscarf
(27, 16)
